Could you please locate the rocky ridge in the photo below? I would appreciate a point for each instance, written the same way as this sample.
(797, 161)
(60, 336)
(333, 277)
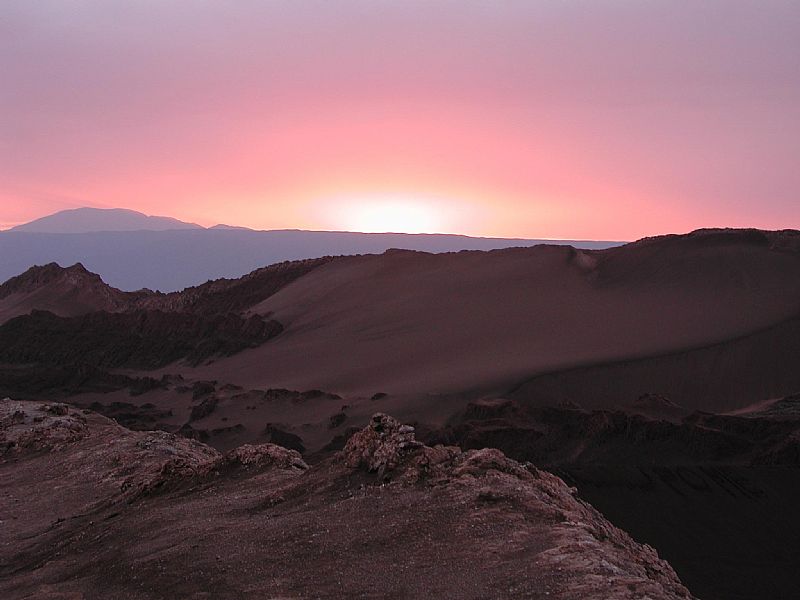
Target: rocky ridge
(59, 316)
(420, 516)
(220, 296)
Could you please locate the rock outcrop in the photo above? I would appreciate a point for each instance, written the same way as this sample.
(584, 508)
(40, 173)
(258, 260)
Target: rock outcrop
(607, 562)
(69, 316)
(152, 515)
(32, 427)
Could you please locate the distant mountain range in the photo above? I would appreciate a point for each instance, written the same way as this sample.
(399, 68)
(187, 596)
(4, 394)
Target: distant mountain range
(86, 220)
(132, 251)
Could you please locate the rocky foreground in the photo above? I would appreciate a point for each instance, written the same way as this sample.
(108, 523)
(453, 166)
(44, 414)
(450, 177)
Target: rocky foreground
(89, 509)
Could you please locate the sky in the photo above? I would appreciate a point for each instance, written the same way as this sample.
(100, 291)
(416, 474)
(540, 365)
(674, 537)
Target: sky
(517, 118)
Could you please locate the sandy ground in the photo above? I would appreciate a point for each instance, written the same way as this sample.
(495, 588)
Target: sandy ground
(408, 322)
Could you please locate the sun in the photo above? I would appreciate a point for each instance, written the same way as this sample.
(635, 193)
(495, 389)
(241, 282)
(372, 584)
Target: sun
(392, 216)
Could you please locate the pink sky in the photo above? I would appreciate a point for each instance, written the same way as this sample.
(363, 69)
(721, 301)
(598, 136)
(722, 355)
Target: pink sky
(604, 120)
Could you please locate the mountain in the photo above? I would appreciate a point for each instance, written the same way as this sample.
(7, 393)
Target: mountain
(64, 292)
(151, 515)
(175, 259)
(224, 227)
(85, 220)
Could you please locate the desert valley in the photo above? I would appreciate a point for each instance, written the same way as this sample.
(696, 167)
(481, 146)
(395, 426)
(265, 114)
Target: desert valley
(397, 299)
(657, 381)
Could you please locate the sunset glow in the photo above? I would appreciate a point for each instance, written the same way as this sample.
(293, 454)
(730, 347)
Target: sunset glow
(391, 215)
(518, 119)
(323, 298)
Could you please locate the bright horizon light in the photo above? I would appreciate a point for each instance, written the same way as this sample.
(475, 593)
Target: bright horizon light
(519, 119)
(377, 215)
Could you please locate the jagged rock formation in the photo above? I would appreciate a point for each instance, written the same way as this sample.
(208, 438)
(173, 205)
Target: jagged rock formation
(72, 277)
(65, 292)
(69, 316)
(150, 515)
(74, 291)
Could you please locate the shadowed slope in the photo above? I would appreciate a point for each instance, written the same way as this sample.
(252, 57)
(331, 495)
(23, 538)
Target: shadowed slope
(717, 495)
(136, 340)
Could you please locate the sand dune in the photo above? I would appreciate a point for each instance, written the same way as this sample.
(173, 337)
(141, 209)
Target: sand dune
(409, 322)
(685, 316)
(707, 319)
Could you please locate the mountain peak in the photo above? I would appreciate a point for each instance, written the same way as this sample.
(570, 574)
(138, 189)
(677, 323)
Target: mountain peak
(43, 275)
(87, 220)
(224, 227)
